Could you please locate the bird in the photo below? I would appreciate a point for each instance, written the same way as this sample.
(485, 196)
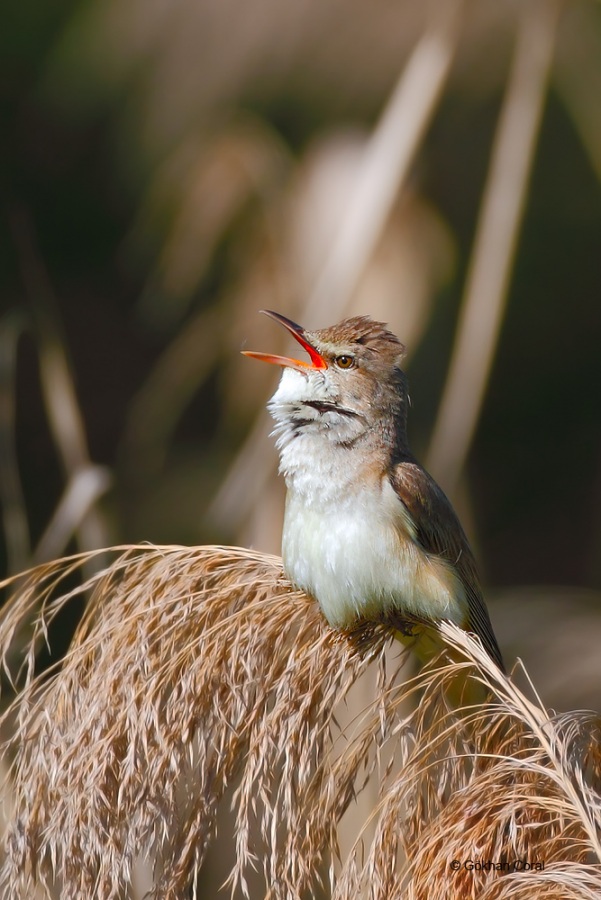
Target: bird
(367, 531)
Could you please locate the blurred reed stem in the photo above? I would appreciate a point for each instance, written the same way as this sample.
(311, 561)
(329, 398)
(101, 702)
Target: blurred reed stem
(76, 514)
(388, 159)
(495, 244)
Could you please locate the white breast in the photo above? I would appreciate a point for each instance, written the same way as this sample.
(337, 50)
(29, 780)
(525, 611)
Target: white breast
(348, 539)
(354, 551)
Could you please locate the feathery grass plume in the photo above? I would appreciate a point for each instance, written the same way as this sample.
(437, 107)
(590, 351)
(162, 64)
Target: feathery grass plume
(195, 670)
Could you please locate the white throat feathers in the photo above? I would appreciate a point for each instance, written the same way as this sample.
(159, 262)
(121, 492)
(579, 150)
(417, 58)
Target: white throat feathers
(348, 539)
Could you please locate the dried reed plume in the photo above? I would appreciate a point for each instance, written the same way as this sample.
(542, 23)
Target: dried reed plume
(195, 670)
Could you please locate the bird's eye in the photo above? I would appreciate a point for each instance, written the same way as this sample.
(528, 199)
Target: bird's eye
(345, 361)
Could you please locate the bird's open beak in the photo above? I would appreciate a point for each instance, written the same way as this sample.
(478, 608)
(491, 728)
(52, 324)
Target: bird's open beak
(298, 333)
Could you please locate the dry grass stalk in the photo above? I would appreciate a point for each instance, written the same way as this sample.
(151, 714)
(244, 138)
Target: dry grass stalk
(198, 669)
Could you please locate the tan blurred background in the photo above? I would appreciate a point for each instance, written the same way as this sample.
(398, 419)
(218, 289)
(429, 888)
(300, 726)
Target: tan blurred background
(168, 169)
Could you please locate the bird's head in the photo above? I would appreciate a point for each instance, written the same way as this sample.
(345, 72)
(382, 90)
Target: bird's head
(351, 384)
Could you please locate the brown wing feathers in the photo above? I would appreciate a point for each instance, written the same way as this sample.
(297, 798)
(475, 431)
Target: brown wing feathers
(439, 532)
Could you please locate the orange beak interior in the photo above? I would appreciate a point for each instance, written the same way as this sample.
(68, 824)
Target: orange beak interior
(298, 333)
